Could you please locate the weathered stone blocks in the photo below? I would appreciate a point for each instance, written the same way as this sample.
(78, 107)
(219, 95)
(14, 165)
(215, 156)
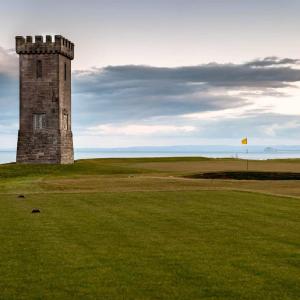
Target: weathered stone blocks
(45, 134)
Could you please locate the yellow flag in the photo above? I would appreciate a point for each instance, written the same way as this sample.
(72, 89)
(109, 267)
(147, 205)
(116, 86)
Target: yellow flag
(244, 141)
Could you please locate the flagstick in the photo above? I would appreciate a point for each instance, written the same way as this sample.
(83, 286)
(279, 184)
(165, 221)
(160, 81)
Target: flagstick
(245, 142)
(247, 160)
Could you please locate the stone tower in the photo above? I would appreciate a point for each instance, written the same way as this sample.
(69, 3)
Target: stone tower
(45, 134)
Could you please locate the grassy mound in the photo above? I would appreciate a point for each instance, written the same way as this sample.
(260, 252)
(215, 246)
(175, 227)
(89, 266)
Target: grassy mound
(79, 168)
(98, 166)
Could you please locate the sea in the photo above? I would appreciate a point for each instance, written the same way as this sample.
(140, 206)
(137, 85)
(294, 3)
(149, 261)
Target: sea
(252, 153)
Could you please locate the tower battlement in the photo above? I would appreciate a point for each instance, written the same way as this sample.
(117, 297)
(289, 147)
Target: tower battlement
(60, 45)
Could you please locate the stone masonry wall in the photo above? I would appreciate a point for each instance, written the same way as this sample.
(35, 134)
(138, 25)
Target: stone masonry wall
(65, 109)
(48, 94)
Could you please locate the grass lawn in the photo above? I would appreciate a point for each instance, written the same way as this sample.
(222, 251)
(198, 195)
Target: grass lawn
(118, 229)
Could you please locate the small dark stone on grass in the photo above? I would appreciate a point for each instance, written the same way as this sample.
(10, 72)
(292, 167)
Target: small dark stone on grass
(21, 196)
(35, 210)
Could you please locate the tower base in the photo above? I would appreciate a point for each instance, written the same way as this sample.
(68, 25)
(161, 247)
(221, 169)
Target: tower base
(45, 147)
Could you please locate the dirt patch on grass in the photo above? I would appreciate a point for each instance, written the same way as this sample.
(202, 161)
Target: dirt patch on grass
(247, 175)
(221, 165)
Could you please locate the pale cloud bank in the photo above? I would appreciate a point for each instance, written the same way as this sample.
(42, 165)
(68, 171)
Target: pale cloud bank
(209, 101)
(139, 129)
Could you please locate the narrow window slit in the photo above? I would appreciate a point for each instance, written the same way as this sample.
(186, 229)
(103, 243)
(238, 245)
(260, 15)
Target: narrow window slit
(39, 72)
(65, 71)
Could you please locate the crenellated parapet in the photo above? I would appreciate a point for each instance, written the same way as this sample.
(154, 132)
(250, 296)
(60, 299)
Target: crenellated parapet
(60, 45)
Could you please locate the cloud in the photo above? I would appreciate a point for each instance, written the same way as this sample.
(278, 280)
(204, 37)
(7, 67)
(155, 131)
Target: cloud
(139, 129)
(8, 62)
(120, 93)
(259, 124)
(273, 61)
(279, 129)
(8, 92)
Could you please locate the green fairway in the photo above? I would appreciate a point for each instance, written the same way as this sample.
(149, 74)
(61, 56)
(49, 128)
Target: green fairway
(150, 245)
(139, 229)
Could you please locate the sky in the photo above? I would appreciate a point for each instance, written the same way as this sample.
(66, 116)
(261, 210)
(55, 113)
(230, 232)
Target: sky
(167, 72)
